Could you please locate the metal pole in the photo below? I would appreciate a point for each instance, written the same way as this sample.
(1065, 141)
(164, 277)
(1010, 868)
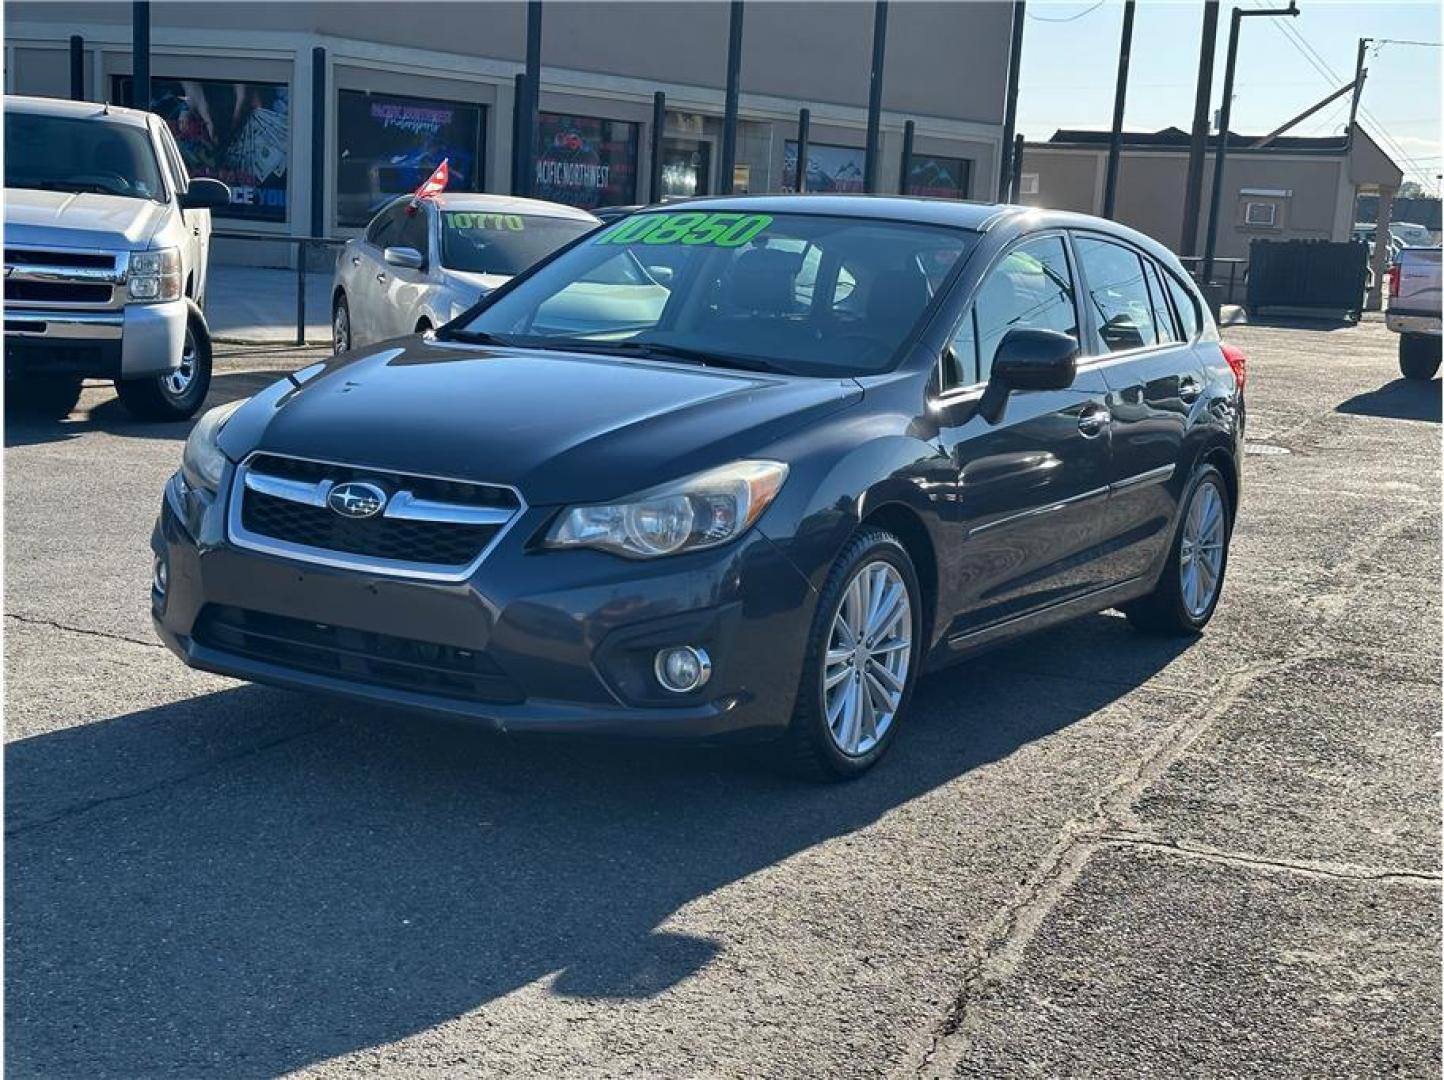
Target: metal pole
(318, 142)
(659, 118)
(533, 96)
(804, 130)
(518, 110)
(301, 293)
(874, 95)
(77, 68)
(1010, 102)
(1210, 242)
(1198, 145)
(140, 54)
(1359, 72)
(1015, 187)
(1120, 95)
(729, 111)
(909, 129)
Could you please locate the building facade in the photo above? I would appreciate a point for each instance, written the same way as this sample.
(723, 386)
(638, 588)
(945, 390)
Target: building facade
(1292, 189)
(404, 84)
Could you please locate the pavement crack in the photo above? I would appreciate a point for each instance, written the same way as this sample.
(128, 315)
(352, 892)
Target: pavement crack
(81, 808)
(34, 620)
(1310, 867)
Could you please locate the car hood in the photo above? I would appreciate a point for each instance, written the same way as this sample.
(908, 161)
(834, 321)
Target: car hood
(561, 427)
(79, 219)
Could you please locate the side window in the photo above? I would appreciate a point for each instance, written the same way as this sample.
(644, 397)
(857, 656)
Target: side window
(173, 156)
(415, 231)
(1185, 305)
(1162, 317)
(1031, 287)
(960, 363)
(1118, 294)
(386, 226)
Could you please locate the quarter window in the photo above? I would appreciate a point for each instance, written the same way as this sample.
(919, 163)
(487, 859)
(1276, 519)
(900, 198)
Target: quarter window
(1185, 305)
(1118, 294)
(1162, 318)
(1031, 287)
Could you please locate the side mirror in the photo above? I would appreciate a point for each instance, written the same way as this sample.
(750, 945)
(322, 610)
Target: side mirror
(1028, 360)
(205, 194)
(1121, 332)
(406, 257)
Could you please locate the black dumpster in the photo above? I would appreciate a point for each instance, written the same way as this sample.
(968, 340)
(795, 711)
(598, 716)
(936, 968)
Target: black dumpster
(1311, 278)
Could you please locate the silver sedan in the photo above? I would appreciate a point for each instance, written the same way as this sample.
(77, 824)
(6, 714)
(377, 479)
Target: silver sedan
(417, 267)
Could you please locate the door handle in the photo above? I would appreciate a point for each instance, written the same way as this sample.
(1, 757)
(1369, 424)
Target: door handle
(355, 260)
(1189, 388)
(1094, 422)
(381, 276)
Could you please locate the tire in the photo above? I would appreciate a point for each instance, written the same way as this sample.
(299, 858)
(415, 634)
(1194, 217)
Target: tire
(47, 397)
(815, 746)
(1419, 356)
(178, 394)
(1172, 608)
(340, 326)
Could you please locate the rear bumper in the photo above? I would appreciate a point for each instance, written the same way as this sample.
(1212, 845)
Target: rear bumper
(127, 343)
(1404, 323)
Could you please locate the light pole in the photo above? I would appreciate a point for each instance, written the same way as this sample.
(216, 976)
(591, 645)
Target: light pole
(1211, 240)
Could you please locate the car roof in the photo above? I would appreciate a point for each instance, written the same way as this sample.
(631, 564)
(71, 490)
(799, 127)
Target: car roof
(482, 202)
(78, 110)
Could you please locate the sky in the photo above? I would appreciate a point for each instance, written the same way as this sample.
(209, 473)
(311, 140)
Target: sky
(1070, 64)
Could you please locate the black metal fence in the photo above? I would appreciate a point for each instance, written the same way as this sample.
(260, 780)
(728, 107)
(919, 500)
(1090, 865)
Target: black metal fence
(305, 246)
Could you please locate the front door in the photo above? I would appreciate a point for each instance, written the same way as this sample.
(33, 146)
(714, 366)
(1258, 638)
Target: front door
(1032, 485)
(401, 288)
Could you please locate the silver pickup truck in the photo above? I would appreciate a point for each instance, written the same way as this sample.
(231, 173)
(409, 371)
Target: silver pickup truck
(107, 241)
(1414, 310)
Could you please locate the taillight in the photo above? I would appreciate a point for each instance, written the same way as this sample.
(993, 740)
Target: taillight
(1394, 280)
(1239, 362)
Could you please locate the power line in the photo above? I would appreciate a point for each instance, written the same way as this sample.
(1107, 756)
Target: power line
(1400, 41)
(1068, 18)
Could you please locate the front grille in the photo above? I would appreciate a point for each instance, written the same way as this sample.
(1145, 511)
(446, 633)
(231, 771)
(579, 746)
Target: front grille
(433, 543)
(58, 292)
(359, 655)
(88, 259)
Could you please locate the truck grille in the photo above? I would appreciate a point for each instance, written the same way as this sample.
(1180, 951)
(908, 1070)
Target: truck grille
(66, 277)
(57, 292)
(360, 655)
(429, 526)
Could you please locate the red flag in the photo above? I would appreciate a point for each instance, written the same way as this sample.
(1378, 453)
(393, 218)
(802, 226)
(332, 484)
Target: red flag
(436, 182)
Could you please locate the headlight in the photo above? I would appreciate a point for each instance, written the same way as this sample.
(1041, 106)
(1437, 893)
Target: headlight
(154, 275)
(202, 462)
(701, 511)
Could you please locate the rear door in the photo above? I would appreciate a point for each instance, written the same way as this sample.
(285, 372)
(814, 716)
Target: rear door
(1156, 379)
(1030, 487)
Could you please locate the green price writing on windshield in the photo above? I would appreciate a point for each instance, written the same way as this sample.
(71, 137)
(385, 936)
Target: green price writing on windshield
(693, 229)
(503, 222)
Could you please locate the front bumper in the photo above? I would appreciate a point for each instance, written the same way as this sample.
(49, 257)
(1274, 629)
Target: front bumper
(124, 343)
(567, 638)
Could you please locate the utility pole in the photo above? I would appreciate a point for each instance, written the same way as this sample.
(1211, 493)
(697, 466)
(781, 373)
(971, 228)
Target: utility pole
(139, 55)
(874, 96)
(1120, 94)
(1359, 72)
(1010, 100)
(1198, 144)
(526, 138)
(729, 107)
(1210, 243)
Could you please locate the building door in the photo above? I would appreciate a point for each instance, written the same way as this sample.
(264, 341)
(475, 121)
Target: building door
(686, 167)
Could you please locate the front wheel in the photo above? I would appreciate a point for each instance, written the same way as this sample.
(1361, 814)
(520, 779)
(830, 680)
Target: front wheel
(1419, 356)
(1188, 590)
(861, 660)
(176, 394)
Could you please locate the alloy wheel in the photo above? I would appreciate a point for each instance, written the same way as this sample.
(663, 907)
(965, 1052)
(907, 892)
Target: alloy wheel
(869, 648)
(340, 329)
(177, 382)
(1200, 557)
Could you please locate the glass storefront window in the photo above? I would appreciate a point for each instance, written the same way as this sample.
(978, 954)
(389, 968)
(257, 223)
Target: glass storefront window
(388, 145)
(686, 167)
(238, 132)
(835, 169)
(941, 177)
(584, 161)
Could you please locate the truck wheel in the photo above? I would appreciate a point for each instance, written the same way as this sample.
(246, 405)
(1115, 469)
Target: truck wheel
(48, 397)
(1419, 355)
(175, 395)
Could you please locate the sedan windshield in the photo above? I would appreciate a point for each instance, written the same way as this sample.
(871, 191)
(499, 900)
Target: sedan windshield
(503, 243)
(63, 153)
(799, 293)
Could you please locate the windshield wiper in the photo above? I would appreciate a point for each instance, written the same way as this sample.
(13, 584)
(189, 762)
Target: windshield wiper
(472, 337)
(75, 186)
(661, 350)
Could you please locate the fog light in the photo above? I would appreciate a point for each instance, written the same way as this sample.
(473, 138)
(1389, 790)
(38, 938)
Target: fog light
(682, 668)
(159, 576)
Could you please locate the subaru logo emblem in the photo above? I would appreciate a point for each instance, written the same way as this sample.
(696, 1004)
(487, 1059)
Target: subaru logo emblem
(356, 500)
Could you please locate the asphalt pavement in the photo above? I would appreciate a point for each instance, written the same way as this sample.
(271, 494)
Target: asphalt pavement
(1091, 853)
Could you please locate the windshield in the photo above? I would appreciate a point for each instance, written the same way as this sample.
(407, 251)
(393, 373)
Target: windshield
(800, 293)
(63, 153)
(502, 243)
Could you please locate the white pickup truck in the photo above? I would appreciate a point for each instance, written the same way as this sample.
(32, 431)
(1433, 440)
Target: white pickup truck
(1414, 310)
(107, 242)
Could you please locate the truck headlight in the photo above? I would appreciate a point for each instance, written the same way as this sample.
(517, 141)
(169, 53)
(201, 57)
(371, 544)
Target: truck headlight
(154, 276)
(202, 463)
(700, 511)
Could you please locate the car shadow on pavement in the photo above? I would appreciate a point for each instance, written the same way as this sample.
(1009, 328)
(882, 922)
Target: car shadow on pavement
(1402, 399)
(255, 881)
(110, 416)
